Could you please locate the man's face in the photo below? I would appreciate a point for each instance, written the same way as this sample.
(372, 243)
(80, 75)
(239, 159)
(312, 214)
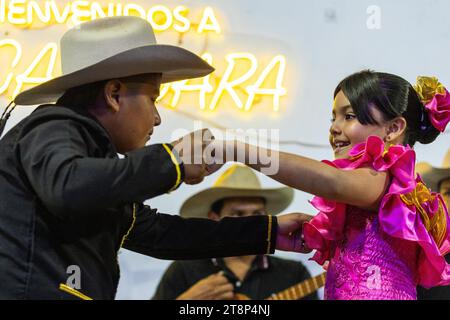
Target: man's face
(444, 190)
(241, 207)
(137, 115)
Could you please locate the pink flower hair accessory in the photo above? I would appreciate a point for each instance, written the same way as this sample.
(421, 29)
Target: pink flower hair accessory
(439, 110)
(436, 100)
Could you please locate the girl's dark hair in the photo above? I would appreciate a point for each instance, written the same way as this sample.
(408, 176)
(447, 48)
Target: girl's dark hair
(394, 97)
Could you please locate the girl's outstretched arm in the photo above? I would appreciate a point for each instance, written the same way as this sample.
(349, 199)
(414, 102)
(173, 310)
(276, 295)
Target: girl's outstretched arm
(362, 187)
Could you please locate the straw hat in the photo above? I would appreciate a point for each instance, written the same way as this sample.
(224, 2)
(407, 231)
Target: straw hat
(432, 176)
(237, 181)
(111, 48)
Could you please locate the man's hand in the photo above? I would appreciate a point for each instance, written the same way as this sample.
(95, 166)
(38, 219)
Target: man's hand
(214, 287)
(289, 233)
(191, 150)
(218, 153)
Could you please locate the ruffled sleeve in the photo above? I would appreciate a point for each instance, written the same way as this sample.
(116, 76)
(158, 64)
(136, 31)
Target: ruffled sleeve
(407, 211)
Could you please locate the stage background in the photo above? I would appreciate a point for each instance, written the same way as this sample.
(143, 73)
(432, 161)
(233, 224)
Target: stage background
(322, 42)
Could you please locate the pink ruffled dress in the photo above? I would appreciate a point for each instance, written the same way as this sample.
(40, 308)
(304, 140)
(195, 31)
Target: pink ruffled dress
(386, 254)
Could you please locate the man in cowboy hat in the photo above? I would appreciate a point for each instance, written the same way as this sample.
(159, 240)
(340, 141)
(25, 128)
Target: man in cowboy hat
(236, 193)
(438, 179)
(68, 203)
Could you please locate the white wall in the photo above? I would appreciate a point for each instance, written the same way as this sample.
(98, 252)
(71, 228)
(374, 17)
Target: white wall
(323, 41)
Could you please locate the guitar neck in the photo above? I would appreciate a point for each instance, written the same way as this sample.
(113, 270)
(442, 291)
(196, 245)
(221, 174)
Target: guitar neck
(300, 290)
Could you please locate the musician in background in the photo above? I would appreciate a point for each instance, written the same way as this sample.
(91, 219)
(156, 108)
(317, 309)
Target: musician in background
(236, 193)
(438, 179)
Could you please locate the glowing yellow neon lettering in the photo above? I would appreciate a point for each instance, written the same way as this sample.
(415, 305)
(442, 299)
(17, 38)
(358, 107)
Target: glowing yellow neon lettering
(80, 12)
(60, 17)
(241, 68)
(277, 92)
(131, 7)
(167, 17)
(97, 11)
(163, 91)
(23, 78)
(2, 11)
(17, 7)
(34, 7)
(18, 55)
(111, 10)
(226, 85)
(205, 25)
(203, 88)
(179, 17)
(23, 12)
(118, 9)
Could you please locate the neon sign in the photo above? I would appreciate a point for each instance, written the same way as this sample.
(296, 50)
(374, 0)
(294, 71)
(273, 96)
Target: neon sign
(245, 79)
(24, 13)
(228, 84)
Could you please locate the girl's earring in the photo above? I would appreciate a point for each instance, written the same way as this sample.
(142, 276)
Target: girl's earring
(387, 141)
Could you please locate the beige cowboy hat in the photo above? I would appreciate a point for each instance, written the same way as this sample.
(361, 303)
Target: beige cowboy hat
(237, 181)
(114, 47)
(432, 176)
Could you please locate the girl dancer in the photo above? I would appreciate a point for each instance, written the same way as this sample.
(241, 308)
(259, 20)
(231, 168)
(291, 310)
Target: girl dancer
(381, 229)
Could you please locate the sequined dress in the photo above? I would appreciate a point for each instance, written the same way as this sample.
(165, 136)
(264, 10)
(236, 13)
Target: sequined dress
(382, 255)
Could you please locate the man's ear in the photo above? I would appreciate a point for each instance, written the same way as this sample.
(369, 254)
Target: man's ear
(395, 129)
(111, 92)
(213, 216)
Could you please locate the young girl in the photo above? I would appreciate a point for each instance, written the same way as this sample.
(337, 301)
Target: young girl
(381, 229)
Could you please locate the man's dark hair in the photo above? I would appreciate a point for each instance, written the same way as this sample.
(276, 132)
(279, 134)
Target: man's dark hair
(82, 96)
(87, 94)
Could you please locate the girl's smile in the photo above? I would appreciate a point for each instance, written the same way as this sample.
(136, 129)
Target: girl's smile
(346, 131)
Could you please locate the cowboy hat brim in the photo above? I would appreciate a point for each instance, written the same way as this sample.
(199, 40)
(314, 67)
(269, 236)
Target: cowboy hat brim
(198, 205)
(432, 176)
(174, 63)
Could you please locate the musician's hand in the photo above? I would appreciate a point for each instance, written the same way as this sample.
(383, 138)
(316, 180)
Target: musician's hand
(214, 287)
(289, 233)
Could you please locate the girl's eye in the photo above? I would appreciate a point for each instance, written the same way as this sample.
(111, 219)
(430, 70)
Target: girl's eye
(332, 120)
(350, 116)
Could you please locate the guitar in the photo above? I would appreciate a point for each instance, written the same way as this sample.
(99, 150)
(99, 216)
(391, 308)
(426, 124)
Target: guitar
(295, 292)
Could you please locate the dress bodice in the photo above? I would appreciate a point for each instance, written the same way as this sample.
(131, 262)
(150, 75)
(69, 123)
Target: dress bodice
(368, 264)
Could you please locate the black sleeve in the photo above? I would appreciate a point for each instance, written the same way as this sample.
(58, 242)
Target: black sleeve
(56, 161)
(303, 274)
(173, 283)
(172, 237)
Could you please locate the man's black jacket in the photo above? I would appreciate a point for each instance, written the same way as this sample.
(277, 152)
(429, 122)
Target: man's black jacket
(68, 203)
